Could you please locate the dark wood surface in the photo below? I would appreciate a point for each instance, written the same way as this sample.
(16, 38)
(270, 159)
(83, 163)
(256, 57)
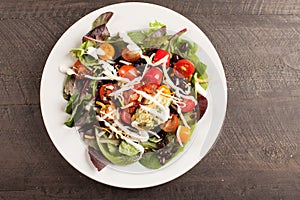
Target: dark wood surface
(257, 153)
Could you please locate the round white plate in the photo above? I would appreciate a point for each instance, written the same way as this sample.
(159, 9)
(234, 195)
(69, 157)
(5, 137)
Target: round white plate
(128, 17)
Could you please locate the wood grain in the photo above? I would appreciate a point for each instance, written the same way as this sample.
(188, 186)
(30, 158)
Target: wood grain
(257, 153)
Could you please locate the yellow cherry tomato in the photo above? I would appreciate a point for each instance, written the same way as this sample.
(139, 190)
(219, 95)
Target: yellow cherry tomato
(109, 51)
(184, 133)
(165, 89)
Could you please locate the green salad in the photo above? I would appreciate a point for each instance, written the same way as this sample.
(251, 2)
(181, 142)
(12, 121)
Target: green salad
(135, 96)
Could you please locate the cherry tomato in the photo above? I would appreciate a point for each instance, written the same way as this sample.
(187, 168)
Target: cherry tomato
(188, 105)
(128, 71)
(130, 56)
(153, 75)
(105, 90)
(165, 89)
(125, 116)
(184, 68)
(184, 134)
(160, 54)
(171, 125)
(150, 88)
(109, 51)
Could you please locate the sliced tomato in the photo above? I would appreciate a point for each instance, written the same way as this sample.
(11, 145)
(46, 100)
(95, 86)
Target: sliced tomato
(128, 71)
(125, 116)
(130, 56)
(153, 75)
(171, 125)
(160, 54)
(184, 68)
(187, 105)
(105, 90)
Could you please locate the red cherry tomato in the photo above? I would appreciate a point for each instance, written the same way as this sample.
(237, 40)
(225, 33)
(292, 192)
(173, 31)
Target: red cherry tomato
(125, 116)
(160, 53)
(105, 90)
(171, 125)
(188, 105)
(128, 71)
(184, 68)
(153, 75)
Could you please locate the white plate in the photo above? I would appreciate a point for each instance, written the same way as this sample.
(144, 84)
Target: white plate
(127, 17)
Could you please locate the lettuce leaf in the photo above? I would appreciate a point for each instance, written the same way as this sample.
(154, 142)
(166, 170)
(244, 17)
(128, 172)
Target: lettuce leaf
(81, 53)
(127, 149)
(112, 153)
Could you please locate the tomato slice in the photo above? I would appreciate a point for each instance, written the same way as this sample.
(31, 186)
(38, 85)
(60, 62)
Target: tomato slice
(128, 71)
(188, 105)
(130, 56)
(153, 75)
(160, 54)
(105, 90)
(184, 68)
(171, 125)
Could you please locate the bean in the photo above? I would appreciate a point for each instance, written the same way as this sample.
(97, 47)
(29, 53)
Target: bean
(162, 160)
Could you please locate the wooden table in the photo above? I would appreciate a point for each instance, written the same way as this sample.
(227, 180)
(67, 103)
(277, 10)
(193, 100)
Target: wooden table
(257, 153)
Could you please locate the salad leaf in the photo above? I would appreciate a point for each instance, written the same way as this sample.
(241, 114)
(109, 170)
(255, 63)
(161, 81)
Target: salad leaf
(155, 25)
(78, 106)
(102, 19)
(149, 145)
(150, 160)
(73, 98)
(68, 87)
(78, 52)
(137, 36)
(149, 39)
(157, 34)
(127, 149)
(81, 53)
(93, 85)
(116, 159)
(155, 42)
(97, 158)
(98, 33)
